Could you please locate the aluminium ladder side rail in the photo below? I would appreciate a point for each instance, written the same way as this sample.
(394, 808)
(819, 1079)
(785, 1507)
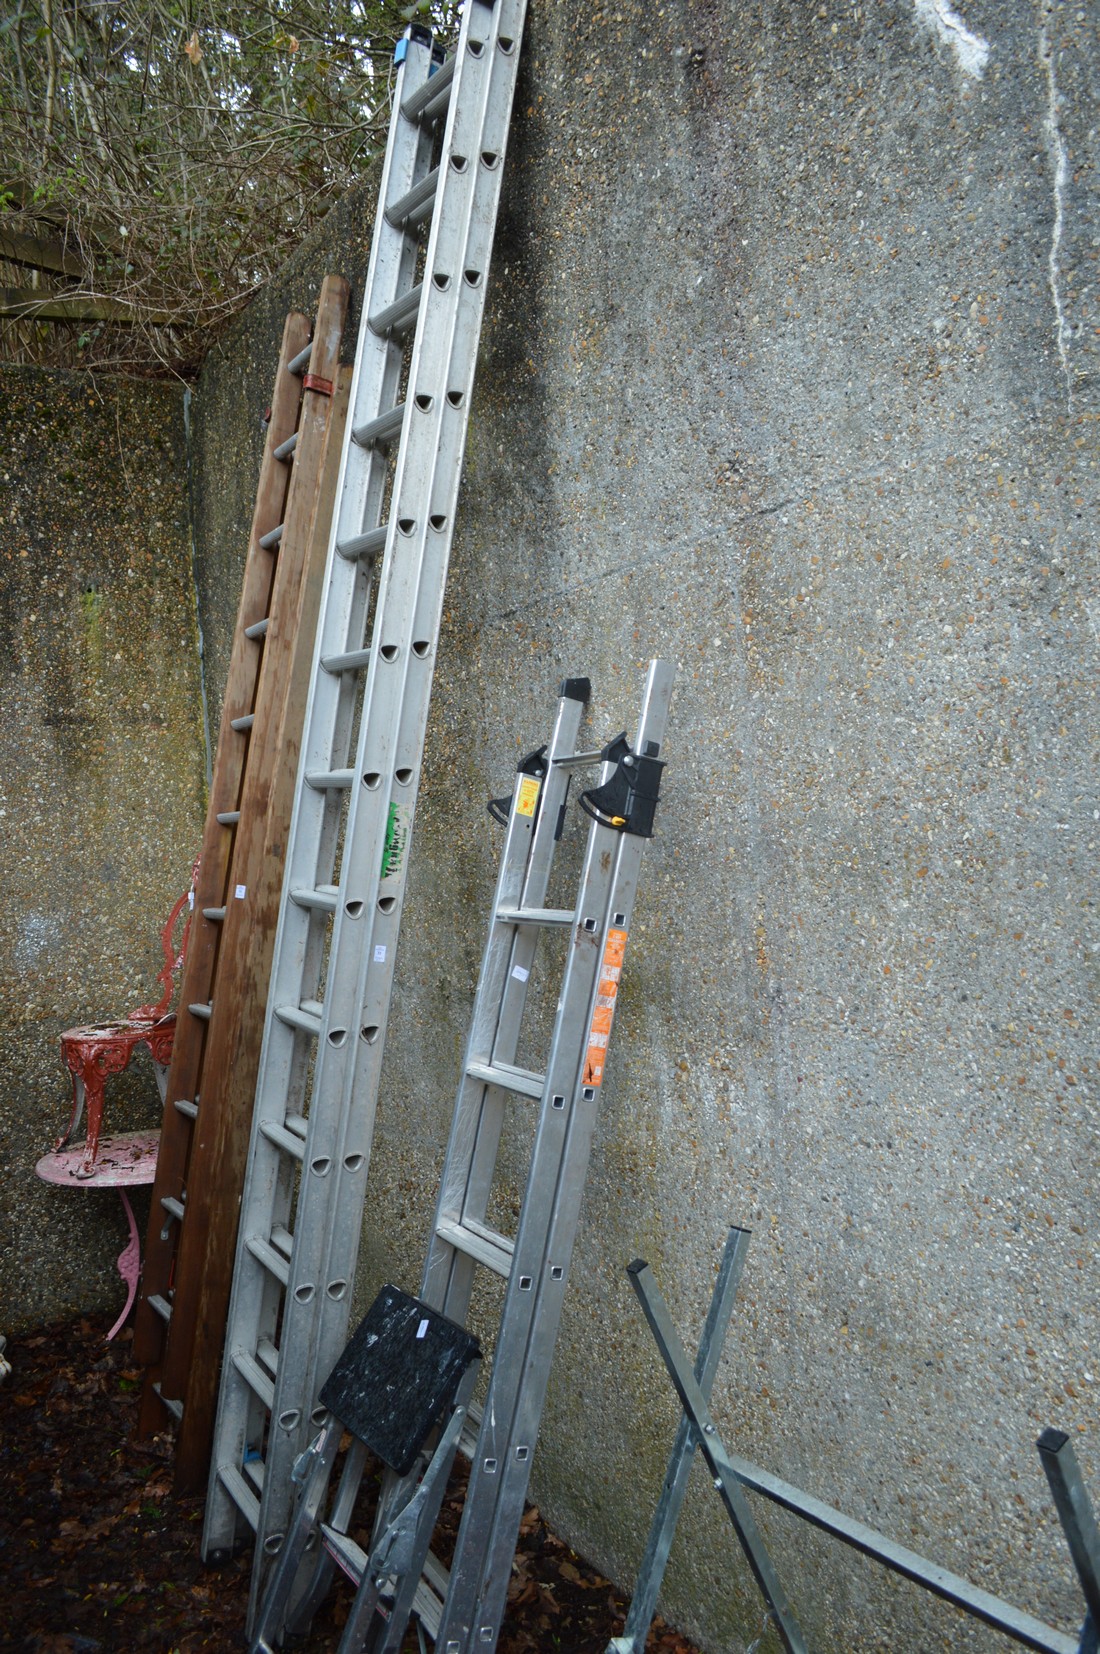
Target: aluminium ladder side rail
(216, 864)
(356, 790)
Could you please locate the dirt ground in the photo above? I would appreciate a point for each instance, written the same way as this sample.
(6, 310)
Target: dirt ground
(96, 1555)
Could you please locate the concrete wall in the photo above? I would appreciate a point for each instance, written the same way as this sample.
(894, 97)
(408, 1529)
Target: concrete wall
(101, 788)
(789, 375)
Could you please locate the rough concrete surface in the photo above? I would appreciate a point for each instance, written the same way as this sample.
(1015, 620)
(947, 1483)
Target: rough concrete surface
(101, 788)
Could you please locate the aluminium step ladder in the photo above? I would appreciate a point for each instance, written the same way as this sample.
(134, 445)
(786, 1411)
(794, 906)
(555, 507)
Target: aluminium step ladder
(204, 1138)
(462, 1609)
(360, 765)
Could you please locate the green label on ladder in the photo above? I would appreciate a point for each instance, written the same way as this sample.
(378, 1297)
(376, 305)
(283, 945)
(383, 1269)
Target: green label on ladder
(397, 841)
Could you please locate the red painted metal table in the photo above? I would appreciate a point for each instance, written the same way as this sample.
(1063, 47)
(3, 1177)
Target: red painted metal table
(124, 1162)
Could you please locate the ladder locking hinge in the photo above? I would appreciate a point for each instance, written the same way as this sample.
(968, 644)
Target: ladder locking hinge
(628, 801)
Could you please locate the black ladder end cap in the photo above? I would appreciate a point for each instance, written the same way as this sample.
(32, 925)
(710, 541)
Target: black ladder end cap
(576, 689)
(1051, 1440)
(637, 1266)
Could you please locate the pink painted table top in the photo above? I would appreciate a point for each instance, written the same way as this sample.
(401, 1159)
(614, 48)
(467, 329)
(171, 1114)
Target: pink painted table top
(124, 1161)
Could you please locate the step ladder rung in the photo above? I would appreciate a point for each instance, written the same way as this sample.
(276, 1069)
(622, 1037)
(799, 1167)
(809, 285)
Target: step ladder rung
(243, 724)
(382, 431)
(482, 1244)
(244, 1497)
(284, 1138)
(508, 1077)
(320, 780)
(349, 1556)
(353, 660)
(270, 1257)
(415, 205)
(216, 915)
(174, 1407)
(173, 1207)
(363, 545)
(161, 1306)
(324, 898)
(398, 317)
(298, 364)
(255, 1377)
(201, 1011)
(429, 101)
(281, 1238)
(272, 538)
(185, 1106)
(578, 760)
(257, 630)
(286, 449)
(303, 1017)
(254, 1472)
(559, 916)
(228, 818)
(268, 1356)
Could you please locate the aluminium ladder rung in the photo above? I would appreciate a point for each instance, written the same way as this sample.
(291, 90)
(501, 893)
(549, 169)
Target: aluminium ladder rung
(480, 1243)
(429, 101)
(381, 431)
(363, 545)
(306, 1017)
(242, 1495)
(272, 538)
(398, 317)
(216, 915)
(261, 1382)
(271, 1259)
(349, 1556)
(257, 630)
(415, 205)
(323, 899)
(298, 364)
(173, 1207)
(244, 723)
(287, 1137)
(286, 449)
(184, 1105)
(352, 660)
(161, 1306)
(560, 916)
(510, 1078)
(330, 780)
(228, 818)
(201, 1011)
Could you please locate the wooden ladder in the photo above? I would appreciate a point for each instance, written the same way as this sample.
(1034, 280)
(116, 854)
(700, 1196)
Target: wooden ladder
(208, 1107)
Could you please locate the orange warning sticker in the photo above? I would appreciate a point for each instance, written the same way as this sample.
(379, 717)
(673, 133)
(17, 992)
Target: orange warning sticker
(527, 797)
(611, 969)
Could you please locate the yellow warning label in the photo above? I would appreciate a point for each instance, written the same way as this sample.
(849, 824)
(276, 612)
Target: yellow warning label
(528, 796)
(599, 1034)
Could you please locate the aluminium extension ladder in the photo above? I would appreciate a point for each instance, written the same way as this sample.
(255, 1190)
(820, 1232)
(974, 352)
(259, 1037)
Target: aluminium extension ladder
(462, 1610)
(204, 1137)
(365, 719)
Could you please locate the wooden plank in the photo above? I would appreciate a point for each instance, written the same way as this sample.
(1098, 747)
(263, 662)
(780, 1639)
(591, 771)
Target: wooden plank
(217, 866)
(204, 1267)
(40, 252)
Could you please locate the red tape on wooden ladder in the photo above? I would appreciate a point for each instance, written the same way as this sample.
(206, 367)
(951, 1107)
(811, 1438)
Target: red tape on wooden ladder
(314, 382)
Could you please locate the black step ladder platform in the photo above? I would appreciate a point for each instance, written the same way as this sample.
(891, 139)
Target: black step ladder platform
(362, 747)
(406, 1373)
(462, 1608)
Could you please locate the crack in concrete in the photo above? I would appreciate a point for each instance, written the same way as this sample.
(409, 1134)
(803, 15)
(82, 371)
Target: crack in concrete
(1060, 162)
(971, 51)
